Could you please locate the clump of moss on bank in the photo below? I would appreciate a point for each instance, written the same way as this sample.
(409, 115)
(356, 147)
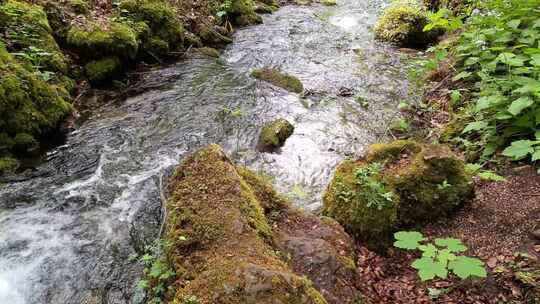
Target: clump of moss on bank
(93, 41)
(403, 24)
(277, 78)
(8, 164)
(26, 31)
(397, 185)
(103, 69)
(220, 239)
(274, 134)
(30, 107)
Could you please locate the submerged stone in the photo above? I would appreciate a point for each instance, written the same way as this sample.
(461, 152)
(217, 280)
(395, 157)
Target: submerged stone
(225, 227)
(329, 2)
(274, 134)
(397, 185)
(403, 24)
(277, 78)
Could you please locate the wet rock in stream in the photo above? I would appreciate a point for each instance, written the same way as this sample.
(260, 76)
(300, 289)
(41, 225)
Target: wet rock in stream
(234, 240)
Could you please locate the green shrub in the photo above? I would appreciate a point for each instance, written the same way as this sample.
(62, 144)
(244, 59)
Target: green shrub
(440, 257)
(499, 55)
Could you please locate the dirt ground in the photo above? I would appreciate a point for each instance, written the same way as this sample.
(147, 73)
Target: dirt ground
(498, 226)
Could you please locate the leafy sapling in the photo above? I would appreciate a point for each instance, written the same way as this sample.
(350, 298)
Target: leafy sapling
(440, 257)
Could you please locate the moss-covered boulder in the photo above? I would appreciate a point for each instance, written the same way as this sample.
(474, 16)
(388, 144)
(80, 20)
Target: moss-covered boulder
(162, 20)
(95, 41)
(397, 185)
(329, 2)
(221, 230)
(30, 107)
(274, 134)
(277, 78)
(403, 24)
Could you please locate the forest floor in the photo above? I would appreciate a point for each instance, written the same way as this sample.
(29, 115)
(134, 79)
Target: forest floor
(497, 225)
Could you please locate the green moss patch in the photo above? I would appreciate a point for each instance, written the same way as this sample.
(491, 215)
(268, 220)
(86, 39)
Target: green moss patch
(26, 32)
(397, 185)
(402, 23)
(29, 106)
(277, 78)
(8, 165)
(96, 42)
(103, 69)
(162, 20)
(274, 134)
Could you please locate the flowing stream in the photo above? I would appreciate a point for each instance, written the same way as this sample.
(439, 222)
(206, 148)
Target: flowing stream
(68, 228)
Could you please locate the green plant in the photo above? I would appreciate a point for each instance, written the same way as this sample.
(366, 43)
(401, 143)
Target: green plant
(484, 174)
(400, 125)
(157, 271)
(191, 300)
(225, 9)
(443, 19)
(373, 191)
(440, 257)
(499, 55)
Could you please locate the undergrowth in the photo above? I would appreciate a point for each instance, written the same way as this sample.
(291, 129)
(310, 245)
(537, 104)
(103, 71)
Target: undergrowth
(495, 62)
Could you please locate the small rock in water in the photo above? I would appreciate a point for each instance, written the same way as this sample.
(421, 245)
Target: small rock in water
(345, 92)
(274, 134)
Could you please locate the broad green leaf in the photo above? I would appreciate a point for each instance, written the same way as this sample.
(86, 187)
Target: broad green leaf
(535, 59)
(510, 59)
(536, 155)
(445, 256)
(528, 85)
(156, 270)
(488, 175)
(428, 250)
(519, 149)
(142, 284)
(537, 134)
(475, 126)
(473, 168)
(429, 269)
(514, 23)
(461, 75)
(471, 60)
(465, 267)
(408, 239)
(455, 96)
(454, 245)
(519, 105)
